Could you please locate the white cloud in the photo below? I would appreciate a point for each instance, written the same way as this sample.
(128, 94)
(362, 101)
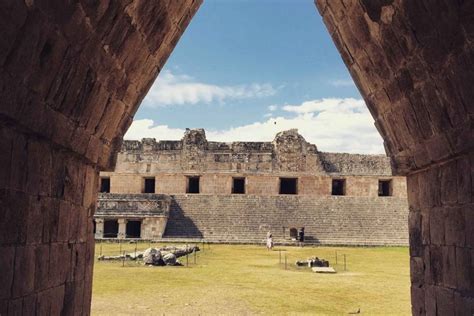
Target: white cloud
(171, 89)
(329, 104)
(342, 83)
(145, 129)
(334, 125)
(272, 108)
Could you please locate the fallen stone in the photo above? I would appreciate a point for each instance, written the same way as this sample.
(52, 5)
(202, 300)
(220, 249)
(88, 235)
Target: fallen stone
(152, 256)
(155, 256)
(106, 258)
(313, 262)
(169, 259)
(323, 270)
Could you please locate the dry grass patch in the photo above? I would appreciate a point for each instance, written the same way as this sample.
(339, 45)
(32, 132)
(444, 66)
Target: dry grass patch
(242, 279)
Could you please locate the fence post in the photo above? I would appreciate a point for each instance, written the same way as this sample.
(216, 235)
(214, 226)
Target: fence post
(194, 251)
(120, 246)
(123, 260)
(100, 244)
(285, 260)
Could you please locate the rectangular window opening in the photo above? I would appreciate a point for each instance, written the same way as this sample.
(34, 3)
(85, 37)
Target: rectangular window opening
(288, 186)
(238, 185)
(193, 185)
(385, 187)
(133, 229)
(149, 186)
(111, 228)
(104, 185)
(338, 187)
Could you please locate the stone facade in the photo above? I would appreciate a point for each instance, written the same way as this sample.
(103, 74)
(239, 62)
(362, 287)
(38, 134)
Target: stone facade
(217, 213)
(73, 73)
(152, 211)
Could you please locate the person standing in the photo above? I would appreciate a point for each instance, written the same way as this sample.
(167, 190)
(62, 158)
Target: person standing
(269, 241)
(301, 237)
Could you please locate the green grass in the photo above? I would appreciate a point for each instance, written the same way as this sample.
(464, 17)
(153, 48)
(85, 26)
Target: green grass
(242, 280)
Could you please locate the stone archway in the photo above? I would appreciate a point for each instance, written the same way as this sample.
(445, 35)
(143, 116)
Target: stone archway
(72, 75)
(414, 64)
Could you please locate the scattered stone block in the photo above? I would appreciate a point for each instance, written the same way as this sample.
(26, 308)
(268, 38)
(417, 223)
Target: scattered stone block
(169, 259)
(323, 269)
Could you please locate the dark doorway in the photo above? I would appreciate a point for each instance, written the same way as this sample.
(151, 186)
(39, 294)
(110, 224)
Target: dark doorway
(104, 185)
(338, 187)
(111, 227)
(95, 225)
(288, 186)
(293, 233)
(385, 187)
(149, 186)
(133, 229)
(238, 185)
(193, 185)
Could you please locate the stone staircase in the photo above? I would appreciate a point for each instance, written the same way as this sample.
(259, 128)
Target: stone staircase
(328, 220)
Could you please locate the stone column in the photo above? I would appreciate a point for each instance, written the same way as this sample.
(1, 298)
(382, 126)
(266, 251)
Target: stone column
(99, 228)
(122, 230)
(146, 229)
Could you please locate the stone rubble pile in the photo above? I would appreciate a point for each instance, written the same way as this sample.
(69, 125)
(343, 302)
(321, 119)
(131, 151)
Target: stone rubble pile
(167, 255)
(313, 262)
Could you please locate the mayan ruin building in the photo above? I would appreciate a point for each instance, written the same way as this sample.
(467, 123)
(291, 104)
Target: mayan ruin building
(73, 74)
(236, 192)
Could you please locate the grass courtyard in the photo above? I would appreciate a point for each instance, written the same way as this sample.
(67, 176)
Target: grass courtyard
(248, 279)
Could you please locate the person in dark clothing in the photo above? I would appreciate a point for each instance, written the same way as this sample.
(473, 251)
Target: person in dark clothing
(301, 236)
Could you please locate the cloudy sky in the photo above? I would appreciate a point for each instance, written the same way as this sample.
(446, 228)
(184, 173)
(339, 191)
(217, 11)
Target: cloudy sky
(245, 70)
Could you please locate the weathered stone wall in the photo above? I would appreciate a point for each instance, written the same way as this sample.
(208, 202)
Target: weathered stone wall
(261, 163)
(126, 205)
(72, 74)
(46, 238)
(215, 214)
(221, 184)
(153, 227)
(327, 220)
(289, 153)
(413, 63)
(152, 210)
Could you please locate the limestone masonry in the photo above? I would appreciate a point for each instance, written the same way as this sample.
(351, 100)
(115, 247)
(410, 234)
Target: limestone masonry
(237, 192)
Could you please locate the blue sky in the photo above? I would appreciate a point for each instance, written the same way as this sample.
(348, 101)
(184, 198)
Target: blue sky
(246, 69)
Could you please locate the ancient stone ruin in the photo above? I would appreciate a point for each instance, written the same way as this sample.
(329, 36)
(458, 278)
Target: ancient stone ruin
(237, 192)
(164, 256)
(132, 215)
(73, 73)
(312, 262)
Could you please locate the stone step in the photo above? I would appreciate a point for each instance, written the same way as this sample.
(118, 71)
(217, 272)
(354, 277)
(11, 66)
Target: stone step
(349, 221)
